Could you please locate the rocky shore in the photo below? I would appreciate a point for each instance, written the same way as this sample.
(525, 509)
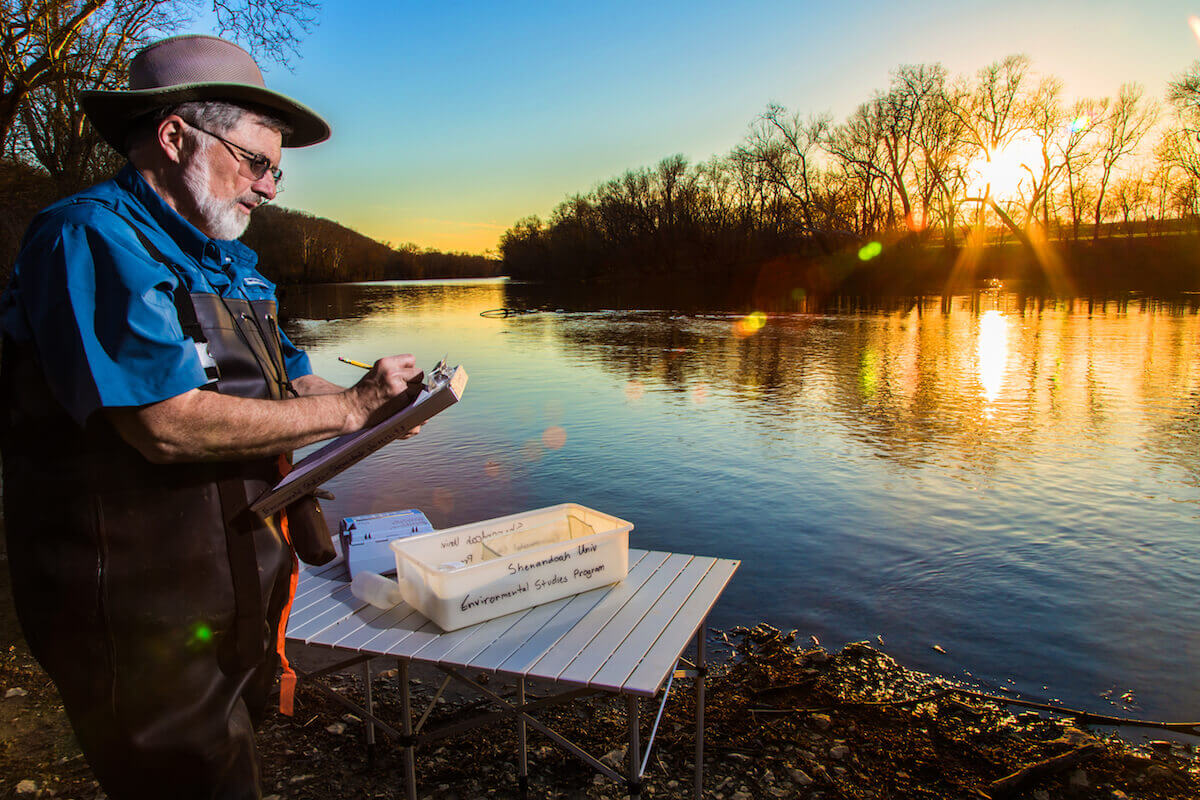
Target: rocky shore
(782, 721)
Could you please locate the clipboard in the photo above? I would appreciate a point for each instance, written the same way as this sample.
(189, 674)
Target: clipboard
(443, 390)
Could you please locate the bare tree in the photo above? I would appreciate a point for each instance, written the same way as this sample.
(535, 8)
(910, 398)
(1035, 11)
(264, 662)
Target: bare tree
(995, 109)
(994, 112)
(1178, 152)
(1121, 130)
(1078, 155)
(784, 147)
(47, 42)
(1047, 121)
(272, 29)
(858, 146)
(1130, 197)
(1183, 94)
(50, 128)
(939, 163)
(894, 119)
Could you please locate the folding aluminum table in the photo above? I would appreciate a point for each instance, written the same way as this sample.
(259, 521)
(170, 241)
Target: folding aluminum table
(627, 639)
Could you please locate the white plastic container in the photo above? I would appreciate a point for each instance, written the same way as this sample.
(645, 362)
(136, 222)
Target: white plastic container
(464, 575)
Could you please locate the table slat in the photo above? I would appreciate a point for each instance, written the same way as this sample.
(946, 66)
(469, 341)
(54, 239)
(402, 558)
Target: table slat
(556, 654)
(322, 615)
(393, 625)
(317, 603)
(409, 642)
(514, 655)
(661, 659)
(483, 634)
(525, 626)
(601, 643)
(331, 635)
(625, 659)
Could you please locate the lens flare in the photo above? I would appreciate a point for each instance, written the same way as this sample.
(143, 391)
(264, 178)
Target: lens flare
(869, 250)
(700, 394)
(1194, 24)
(1079, 123)
(868, 374)
(443, 499)
(201, 638)
(554, 437)
(750, 324)
(634, 390)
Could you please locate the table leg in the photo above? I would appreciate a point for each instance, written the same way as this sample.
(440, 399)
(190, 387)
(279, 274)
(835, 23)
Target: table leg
(410, 764)
(523, 776)
(635, 746)
(701, 670)
(367, 688)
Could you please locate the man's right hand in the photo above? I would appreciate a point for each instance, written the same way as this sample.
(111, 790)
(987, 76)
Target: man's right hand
(389, 385)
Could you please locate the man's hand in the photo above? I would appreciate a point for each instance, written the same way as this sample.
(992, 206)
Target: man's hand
(390, 384)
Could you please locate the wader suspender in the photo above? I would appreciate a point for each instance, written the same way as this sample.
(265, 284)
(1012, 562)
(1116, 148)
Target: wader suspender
(239, 535)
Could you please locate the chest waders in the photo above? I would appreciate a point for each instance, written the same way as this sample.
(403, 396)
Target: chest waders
(149, 592)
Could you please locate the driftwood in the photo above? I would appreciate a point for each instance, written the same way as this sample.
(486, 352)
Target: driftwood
(1011, 784)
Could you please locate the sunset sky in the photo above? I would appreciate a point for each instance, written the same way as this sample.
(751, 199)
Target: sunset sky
(453, 120)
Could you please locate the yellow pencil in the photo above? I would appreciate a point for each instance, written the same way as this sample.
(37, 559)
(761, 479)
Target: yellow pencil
(354, 363)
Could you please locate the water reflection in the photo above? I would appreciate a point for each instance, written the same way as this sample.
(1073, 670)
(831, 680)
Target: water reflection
(1018, 480)
(906, 382)
(993, 354)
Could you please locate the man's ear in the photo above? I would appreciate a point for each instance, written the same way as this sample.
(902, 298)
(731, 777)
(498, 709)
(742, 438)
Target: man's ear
(171, 140)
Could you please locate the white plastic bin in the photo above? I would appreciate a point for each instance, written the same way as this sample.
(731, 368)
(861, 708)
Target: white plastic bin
(464, 575)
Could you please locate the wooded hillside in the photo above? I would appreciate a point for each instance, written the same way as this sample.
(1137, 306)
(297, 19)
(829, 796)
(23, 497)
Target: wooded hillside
(293, 247)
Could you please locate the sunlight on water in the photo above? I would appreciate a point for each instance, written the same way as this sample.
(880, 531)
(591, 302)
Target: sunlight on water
(1020, 484)
(993, 354)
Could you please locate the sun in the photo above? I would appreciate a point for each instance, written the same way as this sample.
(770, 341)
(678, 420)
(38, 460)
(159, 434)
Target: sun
(1006, 171)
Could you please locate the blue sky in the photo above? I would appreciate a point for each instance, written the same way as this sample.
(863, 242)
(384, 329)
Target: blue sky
(452, 120)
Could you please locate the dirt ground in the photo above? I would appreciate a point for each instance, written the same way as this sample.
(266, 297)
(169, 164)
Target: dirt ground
(782, 721)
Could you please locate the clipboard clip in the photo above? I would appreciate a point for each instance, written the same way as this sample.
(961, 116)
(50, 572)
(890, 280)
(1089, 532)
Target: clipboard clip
(440, 374)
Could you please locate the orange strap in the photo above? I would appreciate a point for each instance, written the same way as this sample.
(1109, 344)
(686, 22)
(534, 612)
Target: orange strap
(287, 681)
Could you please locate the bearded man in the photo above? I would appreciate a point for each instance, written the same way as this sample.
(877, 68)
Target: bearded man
(148, 397)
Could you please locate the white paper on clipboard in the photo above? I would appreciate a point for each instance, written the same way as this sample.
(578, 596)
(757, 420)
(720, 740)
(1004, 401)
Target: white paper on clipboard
(345, 451)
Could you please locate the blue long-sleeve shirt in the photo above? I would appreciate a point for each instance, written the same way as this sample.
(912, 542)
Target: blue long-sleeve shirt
(99, 308)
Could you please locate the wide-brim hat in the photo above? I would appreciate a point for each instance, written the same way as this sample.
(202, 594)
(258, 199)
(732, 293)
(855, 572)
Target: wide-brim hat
(182, 69)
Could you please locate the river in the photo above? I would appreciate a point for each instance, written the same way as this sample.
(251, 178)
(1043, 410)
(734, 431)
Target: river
(1003, 491)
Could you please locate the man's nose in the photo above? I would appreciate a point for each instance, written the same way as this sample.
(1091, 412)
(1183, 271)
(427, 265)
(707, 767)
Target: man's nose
(265, 186)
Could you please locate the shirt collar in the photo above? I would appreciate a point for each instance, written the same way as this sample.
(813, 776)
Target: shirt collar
(187, 236)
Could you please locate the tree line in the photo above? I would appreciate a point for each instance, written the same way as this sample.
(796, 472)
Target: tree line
(933, 161)
(50, 50)
(294, 247)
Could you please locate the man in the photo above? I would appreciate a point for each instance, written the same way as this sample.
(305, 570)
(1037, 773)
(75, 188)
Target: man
(148, 395)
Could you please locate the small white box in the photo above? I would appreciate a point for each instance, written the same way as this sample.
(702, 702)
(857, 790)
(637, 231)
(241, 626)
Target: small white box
(471, 573)
(365, 538)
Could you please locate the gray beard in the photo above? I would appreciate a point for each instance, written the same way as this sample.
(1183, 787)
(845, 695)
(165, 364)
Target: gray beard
(222, 218)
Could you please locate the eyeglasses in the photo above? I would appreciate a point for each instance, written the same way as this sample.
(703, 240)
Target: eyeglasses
(259, 164)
